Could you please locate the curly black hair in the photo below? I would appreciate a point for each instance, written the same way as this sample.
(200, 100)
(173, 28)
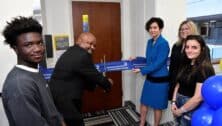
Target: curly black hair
(18, 26)
(158, 20)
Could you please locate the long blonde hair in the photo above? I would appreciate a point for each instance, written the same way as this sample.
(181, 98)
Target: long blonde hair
(192, 27)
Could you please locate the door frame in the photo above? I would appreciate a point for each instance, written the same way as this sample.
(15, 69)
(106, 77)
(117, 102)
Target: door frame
(125, 46)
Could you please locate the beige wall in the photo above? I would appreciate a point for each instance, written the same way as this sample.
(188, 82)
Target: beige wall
(173, 13)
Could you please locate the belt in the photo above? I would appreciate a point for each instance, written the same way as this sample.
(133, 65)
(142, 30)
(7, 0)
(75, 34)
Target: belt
(158, 79)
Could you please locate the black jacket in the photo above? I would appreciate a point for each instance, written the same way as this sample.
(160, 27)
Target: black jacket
(73, 71)
(176, 59)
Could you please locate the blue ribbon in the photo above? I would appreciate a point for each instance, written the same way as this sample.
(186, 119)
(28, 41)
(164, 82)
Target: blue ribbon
(121, 65)
(106, 67)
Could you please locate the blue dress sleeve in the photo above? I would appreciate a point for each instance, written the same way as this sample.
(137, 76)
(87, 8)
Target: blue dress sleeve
(161, 59)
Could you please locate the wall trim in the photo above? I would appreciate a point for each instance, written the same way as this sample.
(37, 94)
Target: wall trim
(117, 1)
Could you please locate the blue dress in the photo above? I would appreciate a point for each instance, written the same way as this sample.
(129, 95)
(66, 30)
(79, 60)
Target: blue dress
(155, 94)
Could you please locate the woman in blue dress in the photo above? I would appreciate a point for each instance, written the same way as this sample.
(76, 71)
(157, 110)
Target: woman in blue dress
(155, 90)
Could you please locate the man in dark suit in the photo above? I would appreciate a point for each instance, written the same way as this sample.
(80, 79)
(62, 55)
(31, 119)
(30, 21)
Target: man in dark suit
(73, 71)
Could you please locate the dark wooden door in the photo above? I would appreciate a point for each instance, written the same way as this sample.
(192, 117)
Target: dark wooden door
(104, 23)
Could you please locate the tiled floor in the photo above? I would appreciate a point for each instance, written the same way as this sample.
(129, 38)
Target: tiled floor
(167, 124)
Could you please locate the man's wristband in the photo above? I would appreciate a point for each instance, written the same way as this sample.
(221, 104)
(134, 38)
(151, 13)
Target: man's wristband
(173, 102)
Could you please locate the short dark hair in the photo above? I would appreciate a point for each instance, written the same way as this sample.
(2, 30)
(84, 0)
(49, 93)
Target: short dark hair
(158, 20)
(18, 26)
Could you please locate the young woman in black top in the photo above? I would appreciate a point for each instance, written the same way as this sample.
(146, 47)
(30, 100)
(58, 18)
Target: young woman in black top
(186, 28)
(196, 68)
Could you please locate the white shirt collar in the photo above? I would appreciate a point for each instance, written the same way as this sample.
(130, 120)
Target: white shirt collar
(30, 69)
